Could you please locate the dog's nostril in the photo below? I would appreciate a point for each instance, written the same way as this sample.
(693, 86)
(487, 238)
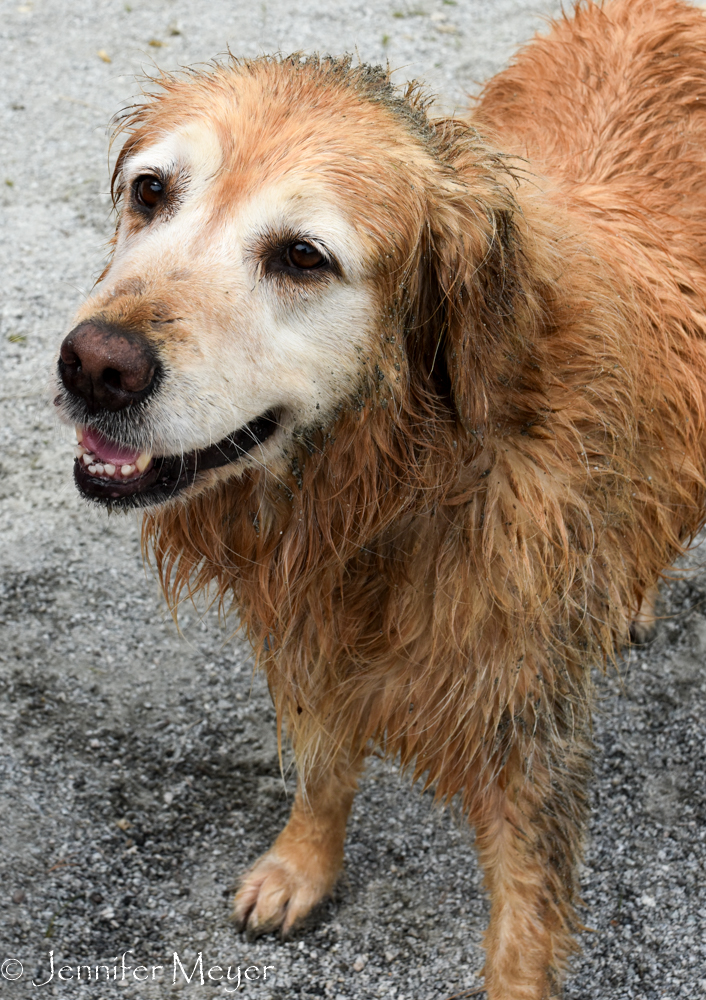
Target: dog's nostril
(111, 377)
(68, 355)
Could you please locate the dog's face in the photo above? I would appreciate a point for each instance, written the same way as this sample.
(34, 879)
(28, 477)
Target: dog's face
(242, 299)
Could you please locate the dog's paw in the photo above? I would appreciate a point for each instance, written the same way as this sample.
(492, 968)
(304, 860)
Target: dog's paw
(280, 890)
(642, 632)
(644, 625)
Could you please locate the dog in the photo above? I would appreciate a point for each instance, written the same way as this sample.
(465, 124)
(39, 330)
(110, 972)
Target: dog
(425, 398)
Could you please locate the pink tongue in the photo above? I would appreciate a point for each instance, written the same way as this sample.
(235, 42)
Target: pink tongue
(108, 451)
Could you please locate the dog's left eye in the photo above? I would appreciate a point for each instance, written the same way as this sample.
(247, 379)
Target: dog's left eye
(148, 191)
(304, 256)
(296, 260)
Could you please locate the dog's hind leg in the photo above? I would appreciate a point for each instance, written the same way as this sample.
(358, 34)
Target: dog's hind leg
(302, 865)
(529, 829)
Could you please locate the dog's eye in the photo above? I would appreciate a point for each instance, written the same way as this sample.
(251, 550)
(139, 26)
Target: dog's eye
(304, 256)
(294, 259)
(148, 191)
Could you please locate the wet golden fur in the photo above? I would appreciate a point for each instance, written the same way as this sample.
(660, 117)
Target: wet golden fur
(434, 569)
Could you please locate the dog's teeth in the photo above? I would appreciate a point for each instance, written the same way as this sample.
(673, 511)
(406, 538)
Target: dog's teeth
(88, 458)
(109, 469)
(79, 434)
(100, 469)
(80, 451)
(143, 461)
(127, 470)
(92, 469)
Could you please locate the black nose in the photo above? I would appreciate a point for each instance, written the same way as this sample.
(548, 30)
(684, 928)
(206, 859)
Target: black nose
(109, 367)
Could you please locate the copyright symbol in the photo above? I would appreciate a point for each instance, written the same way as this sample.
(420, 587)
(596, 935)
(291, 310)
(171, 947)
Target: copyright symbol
(11, 969)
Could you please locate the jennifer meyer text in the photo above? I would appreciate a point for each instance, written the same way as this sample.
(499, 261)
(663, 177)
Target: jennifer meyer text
(232, 977)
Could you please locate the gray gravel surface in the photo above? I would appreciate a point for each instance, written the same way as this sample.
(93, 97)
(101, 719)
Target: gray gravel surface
(138, 767)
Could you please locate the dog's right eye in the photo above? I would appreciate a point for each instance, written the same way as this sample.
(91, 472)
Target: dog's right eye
(304, 256)
(148, 191)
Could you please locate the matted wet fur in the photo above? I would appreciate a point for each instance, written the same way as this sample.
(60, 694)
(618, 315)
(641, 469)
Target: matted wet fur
(510, 449)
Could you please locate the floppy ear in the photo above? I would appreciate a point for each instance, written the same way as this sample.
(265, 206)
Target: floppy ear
(475, 311)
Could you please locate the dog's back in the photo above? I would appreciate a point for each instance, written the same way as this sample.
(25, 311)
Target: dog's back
(609, 112)
(615, 96)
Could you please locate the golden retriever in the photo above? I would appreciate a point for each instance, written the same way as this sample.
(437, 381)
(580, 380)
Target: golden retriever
(425, 398)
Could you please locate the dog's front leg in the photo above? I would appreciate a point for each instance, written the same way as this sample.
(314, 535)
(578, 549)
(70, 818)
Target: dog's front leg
(302, 865)
(529, 829)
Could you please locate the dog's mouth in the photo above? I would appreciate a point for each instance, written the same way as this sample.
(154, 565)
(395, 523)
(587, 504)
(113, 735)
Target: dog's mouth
(108, 473)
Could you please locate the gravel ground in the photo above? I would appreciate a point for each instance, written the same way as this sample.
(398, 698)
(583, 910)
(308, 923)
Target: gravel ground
(138, 767)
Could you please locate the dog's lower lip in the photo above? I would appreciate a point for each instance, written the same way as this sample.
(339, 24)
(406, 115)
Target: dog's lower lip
(169, 475)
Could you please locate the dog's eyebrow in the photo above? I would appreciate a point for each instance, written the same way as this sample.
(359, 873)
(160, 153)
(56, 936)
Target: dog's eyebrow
(191, 146)
(143, 164)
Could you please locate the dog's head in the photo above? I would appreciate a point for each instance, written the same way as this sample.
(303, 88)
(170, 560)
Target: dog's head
(290, 231)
